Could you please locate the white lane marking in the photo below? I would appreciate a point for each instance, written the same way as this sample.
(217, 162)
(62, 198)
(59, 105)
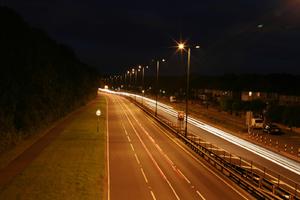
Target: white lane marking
(152, 194)
(132, 147)
(125, 130)
(107, 152)
(139, 163)
(187, 180)
(158, 147)
(137, 159)
(201, 196)
(196, 159)
(128, 138)
(150, 155)
(174, 167)
(144, 175)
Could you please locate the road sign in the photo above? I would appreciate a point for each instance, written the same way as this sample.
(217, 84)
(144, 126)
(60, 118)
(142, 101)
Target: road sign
(180, 115)
(98, 112)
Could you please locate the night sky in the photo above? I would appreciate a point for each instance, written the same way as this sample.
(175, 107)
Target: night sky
(236, 36)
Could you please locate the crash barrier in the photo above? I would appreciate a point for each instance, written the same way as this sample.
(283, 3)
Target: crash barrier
(259, 181)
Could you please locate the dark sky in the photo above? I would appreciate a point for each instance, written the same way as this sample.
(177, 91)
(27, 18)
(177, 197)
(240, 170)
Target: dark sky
(113, 35)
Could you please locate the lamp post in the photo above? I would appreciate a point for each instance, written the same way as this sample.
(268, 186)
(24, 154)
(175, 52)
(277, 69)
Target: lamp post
(143, 82)
(157, 83)
(181, 46)
(157, 70)
(126, 79)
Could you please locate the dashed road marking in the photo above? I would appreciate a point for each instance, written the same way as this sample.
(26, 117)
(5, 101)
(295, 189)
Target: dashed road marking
(132, 147)
(200, 195)
(128, 138)
(137, 159)
(144, 175)
(152, 194)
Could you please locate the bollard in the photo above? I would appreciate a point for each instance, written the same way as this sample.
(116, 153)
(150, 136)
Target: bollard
(260, 139)
(292, 149)
(265, 140)
(277, 144)
(270, 142)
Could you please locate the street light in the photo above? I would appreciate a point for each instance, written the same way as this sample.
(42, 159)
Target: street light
(157, 71)
(143, 81)
(181, 46)
(126, 80)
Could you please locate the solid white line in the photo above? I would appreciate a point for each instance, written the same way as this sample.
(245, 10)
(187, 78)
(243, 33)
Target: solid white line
(137, 159)
(144, 175)
(152, 194)
(107, 152)
(200, 195)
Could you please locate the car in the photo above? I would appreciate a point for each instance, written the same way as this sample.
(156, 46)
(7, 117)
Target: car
(272, 129)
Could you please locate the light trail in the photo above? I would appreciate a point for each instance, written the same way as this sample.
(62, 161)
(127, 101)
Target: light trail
(278, 159)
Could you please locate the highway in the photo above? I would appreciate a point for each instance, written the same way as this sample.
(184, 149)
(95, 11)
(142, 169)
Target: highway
(233, 144)
(264, 158)
(144, 161)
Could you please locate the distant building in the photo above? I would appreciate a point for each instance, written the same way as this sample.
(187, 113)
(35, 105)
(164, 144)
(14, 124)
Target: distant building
(270, 97)
(215, 94)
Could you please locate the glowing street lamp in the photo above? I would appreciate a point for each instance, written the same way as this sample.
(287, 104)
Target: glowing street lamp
(98, 113)
(181, 46)
(157, 72)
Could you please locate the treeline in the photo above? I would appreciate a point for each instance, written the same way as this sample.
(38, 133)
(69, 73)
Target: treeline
(40, 80)
(278, 83)
(284, 114)
(273, 83)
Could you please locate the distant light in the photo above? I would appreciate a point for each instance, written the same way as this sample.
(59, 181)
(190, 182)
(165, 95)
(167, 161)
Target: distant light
(132, 70)
(250, 93)
(105, 87)
(197, 47)
(163, 60)
(181, 46)
(139, 70)
(147, 67)
(260, 26)
(98, 112)
(143, 91)
(128, 72)
(140, 66)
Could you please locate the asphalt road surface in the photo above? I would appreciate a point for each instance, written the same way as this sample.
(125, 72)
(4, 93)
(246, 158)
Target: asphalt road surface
(146, 162)
(256, 155)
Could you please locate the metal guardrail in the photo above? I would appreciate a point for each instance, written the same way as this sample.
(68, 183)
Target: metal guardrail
(260, 182)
